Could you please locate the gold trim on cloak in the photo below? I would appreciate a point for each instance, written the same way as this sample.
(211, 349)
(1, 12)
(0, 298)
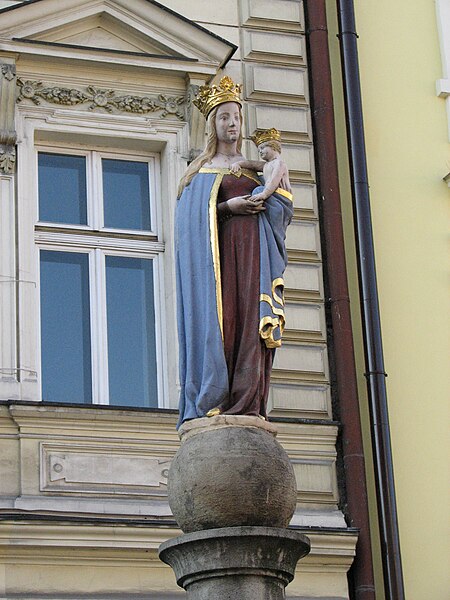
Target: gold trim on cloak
(226, 171)
(246, 173)
(268, 324)
(284, 193)
(266, 333)
(214, 238)
(275, 283)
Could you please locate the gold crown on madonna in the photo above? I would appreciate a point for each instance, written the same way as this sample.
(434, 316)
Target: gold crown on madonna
(265, 135)
(209, 97)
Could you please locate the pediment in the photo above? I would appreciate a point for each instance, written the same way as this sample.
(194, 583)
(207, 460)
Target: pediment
(142, 27)
(104, 32)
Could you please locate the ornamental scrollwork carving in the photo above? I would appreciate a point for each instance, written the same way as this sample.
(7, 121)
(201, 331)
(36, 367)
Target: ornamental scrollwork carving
(65, 96)
(8, 133)
(106, 99)
(134, 104)
(8, 71)
(7, 160)
(191, 93)
(100, 98)
(171, 106)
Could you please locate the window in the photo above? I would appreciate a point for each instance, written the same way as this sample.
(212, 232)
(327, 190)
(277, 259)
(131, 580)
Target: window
(100, 272)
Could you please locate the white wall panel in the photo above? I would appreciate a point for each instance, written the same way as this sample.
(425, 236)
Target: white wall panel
(268, 47)
(306, 317)
(305, 400)
(303, 280)
(316, 480)
(305, 198)
(283, 85)
(293, 123)
(276, 14)
(303, 238)
(310, 360)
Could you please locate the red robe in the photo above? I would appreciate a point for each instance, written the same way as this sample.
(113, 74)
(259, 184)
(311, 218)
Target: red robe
(248, 359)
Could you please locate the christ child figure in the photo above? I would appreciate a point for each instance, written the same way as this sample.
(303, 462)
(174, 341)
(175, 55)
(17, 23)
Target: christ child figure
(272, 166)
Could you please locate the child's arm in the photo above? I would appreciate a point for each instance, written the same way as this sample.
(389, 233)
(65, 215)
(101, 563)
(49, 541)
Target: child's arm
(278, 171)
(253, 165)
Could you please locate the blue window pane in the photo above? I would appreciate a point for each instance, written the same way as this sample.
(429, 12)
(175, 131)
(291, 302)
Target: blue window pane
(62, 189)
(65, 327)
(131, 332)
(126, 194)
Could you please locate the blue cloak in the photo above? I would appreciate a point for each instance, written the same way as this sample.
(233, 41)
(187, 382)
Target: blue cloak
(203, 370)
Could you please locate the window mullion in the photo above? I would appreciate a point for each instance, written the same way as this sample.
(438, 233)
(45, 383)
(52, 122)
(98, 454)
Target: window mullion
(98, 327)
(154, 212)
(96, 196)
(161, 340)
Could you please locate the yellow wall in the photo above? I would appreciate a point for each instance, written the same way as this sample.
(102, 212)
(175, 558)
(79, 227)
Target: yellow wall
(408, 155)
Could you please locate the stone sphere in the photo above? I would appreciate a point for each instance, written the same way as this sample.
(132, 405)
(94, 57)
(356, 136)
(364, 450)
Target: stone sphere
(227, 475)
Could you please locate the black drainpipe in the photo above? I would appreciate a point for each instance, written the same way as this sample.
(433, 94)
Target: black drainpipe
(375, 375)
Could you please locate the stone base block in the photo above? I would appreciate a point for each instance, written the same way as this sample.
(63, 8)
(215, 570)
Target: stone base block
(235, 563)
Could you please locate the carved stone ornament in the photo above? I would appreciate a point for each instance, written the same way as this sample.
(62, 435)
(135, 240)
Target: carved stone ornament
(7, 160)
(168, 106)
(191, 93)
(8, 71)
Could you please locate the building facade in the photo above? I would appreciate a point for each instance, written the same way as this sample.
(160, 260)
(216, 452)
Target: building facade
(404, 82)
(96, 128)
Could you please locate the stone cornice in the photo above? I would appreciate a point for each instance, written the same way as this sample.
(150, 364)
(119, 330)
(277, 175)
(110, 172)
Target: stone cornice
(328, 546)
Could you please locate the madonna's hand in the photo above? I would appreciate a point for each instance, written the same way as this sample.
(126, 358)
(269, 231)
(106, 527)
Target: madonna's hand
(244, 205)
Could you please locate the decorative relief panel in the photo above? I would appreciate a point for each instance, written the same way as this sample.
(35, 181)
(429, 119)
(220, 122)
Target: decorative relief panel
(7, 160)
(316, 481)
(302, 240)
(7, 127)
(105, 99)
(304, 322)
(102, 469)
(307, 401)
(303, 281)
(293, 123)
(275, 84)
(305, 199)
(300, 162)
(286, 15)
(297, 362)
(281, 48)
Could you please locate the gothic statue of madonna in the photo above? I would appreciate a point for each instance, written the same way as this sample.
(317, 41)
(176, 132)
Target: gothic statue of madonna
(231, 257)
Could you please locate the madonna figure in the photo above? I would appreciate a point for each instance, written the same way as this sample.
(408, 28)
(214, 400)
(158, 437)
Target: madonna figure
(231, 258)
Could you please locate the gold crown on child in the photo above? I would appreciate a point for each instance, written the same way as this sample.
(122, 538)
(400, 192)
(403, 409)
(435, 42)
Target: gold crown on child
(209, 97)
(265, 135)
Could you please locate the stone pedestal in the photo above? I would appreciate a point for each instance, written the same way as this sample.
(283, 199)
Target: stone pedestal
(232, 490)
(235, 563)
(231, 471)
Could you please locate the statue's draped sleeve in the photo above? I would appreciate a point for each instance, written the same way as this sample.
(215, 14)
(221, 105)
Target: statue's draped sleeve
(273, 223)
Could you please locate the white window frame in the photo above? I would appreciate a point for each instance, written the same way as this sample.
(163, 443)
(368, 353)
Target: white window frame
(111, 136)
(94, 181)
(98, 312)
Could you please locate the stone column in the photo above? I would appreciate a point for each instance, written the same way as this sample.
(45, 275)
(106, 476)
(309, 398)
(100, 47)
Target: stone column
(232, 491)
